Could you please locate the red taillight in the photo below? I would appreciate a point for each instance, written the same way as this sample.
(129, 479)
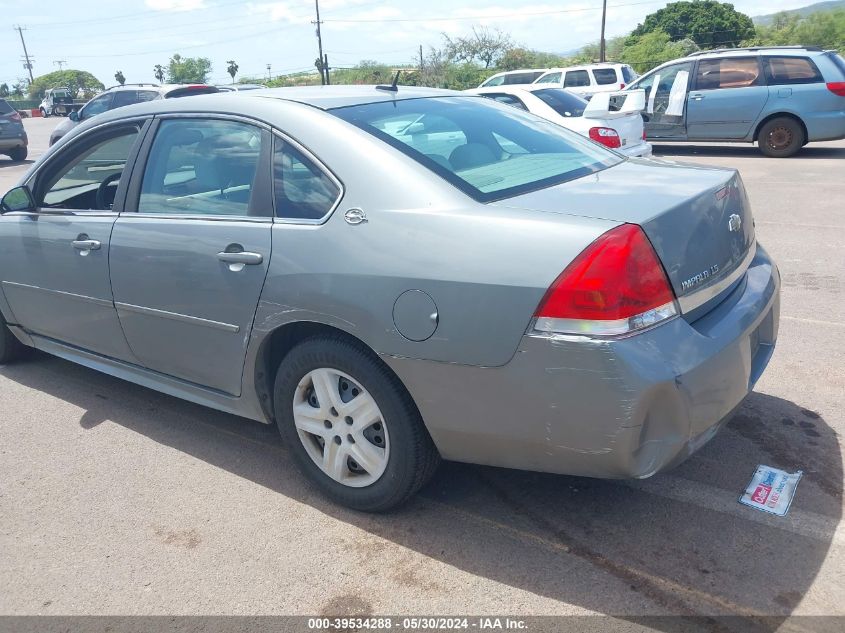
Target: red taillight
(606, 136)
(15, 116)
(621, 86)
(616, 285)
(837, 87)
(643, 133)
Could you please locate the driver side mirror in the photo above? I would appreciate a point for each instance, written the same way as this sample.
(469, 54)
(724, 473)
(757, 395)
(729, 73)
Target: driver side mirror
(17, 199)
(74, 115)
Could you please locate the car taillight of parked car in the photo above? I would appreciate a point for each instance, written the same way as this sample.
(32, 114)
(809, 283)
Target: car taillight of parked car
(15, 116)
(837, 87)
(615, 286)
(607, 136)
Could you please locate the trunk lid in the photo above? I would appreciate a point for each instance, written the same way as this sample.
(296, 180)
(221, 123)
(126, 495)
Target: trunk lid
(698, 219)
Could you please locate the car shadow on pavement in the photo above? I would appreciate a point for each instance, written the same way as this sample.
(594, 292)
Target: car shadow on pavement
(739, 150)
(13, 163)
(677, 544)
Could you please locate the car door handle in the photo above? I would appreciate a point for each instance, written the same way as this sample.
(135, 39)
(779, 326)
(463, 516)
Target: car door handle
(86, 245)
(250, 259)
(696, 97)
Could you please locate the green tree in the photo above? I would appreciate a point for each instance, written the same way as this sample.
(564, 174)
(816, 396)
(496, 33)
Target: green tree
(823, 28)
(4, 90)
(484, 45)
(654, 48)
(232, 69)
(80, 83)
(710, 24)
(188, 70)
(159, 72)
(119, 78)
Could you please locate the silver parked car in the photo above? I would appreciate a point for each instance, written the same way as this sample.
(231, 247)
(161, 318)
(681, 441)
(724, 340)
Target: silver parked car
(393, 277)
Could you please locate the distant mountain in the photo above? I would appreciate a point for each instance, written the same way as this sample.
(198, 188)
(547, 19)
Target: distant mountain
(765, 20)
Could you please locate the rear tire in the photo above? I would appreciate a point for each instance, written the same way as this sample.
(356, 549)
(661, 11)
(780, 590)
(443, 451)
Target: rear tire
(44, 113)
(399, 455)
(18, 154)
(11, 349)
(781, 137)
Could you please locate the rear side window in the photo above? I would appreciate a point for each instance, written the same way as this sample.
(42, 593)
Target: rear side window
(302, 190)
(124, 97)
(840, 63)
(551, 78)
(519, 78)
(201, 167)
(562, 101)
(791, 70)
(605, 76)
(576, 79)
(5, 108)
(507, 99)
(727, 72)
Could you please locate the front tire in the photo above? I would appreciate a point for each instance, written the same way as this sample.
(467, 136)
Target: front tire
(11, 349)
(351, 425)
(45, 114)
(781, 137)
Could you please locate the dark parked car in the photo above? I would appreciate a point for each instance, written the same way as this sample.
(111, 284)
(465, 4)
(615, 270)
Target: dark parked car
(13, 139)
(119, 96)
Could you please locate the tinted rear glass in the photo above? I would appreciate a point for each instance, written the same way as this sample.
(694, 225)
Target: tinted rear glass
(520, 78)
(191, 90)
(605, 76)
(487, 150)
(840, 63)
(791, 70)
(5, 108)
(576, 79)
(628, 74)
(562, 101)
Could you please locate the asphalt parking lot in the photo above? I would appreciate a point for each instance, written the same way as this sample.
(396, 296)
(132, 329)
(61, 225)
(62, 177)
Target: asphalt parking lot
(115, 499)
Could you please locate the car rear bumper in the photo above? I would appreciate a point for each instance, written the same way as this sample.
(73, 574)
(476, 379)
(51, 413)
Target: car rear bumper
(11, 142)
(623, 408)
(641, 150)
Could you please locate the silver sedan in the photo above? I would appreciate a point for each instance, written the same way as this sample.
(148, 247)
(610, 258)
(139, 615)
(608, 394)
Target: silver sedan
(394, 277)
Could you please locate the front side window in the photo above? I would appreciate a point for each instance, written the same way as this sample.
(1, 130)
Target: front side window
(201, 167)
(605, 76)
(88, 182)
(562, 101)
(727, 72)
(791, 70)
(302, 190)
(502, 97)
(576, 79)
(98, 105)
(470, 142)
(495, 81)
(551, 78)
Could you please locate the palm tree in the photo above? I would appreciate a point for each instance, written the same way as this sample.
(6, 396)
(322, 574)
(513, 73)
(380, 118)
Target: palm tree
(232, 69)
(159, 72)
(119, 78)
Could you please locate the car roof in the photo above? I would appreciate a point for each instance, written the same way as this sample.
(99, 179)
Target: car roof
(787, 51)
(328, 97)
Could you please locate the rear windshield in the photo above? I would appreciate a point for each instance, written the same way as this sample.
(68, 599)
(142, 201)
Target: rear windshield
(604, 76)
(487, 150)
(187, 91)
(840, 63)
(5, 108)
(628, 74)
(562, 101)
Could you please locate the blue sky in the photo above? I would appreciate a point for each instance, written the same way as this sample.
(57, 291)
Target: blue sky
(133, 35)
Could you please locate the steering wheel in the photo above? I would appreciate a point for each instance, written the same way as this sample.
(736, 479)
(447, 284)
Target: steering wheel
(101, 191)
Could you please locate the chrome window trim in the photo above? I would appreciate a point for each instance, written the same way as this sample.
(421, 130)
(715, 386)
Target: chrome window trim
(322, 167)
(690, 302)
(198, 217)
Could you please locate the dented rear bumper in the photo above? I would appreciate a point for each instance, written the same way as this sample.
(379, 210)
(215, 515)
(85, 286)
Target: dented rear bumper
(618, 408)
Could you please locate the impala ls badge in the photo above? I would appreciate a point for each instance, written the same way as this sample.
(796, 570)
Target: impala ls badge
(734, 223)
(701, 277)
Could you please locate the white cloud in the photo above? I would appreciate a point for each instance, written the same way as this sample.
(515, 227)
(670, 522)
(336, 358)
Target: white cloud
(175, 5)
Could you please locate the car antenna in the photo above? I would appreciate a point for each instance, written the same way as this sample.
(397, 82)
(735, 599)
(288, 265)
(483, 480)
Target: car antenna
(392, 87)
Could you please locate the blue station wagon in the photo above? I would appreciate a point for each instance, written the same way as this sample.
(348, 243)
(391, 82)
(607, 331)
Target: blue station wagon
(780, 97)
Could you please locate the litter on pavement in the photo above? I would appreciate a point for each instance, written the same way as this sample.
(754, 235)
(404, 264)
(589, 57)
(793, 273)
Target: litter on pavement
(771, 490)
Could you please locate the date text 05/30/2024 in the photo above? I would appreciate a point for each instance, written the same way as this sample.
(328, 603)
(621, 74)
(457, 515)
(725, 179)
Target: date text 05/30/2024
(417, 624)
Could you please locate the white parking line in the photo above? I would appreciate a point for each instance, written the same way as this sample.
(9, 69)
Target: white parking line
(814, 321)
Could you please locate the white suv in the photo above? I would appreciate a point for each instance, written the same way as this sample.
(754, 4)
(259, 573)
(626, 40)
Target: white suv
(511, 77)
(587, 80)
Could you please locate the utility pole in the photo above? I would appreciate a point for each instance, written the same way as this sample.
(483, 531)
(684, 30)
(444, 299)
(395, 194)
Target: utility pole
(269, 76)
(326, 68)
(320, 43)
(60, 63)
(28, 63)
(421, 61)
(603, 19)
